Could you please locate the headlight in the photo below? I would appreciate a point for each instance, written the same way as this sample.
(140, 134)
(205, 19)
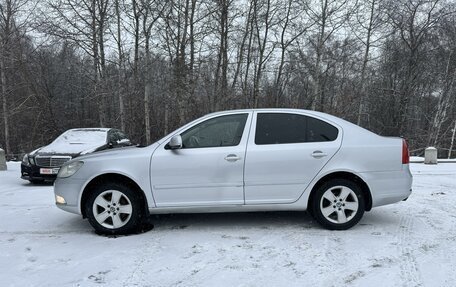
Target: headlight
(25, 160)
(69, 169)
(31, 160)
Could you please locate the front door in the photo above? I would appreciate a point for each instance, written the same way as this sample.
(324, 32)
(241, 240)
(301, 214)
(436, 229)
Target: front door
(208, 169)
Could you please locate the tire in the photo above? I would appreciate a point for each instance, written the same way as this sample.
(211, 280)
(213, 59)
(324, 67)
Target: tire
(114, 209)
(338, 204)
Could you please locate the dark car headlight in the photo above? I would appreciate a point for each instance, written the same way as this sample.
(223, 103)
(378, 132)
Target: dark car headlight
(25, 160)
(31, 160)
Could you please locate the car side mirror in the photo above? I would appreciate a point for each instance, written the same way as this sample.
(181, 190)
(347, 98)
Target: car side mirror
(175, 142)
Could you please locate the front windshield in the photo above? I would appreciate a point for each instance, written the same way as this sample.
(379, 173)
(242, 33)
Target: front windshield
(82, 137)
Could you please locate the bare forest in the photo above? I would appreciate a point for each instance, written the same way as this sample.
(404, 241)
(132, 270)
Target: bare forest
(148, 66)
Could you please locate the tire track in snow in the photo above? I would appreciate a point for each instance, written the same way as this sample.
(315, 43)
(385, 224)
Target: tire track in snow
(138, 274)
(410, 273)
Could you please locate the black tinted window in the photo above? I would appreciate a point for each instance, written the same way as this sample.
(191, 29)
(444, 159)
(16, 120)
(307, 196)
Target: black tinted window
(122, 136)
(319, 131)
(281, 128)
(220, 131)
(117, 136)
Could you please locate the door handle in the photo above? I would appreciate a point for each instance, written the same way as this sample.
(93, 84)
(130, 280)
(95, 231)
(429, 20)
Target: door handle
(232, 157)
(318, 154)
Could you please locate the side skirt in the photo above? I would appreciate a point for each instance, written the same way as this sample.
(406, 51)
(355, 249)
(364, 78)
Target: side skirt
(227, 208)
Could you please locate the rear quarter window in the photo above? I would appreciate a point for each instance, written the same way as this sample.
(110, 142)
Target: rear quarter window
(320, 131)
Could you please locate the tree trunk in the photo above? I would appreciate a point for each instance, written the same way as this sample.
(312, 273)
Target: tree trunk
(318, 101)
(95, 63)
(147, 93)
(363, 93)
(452, 140)
(220, 84)
(262, 47)
(120, 94)
(443, 104)
(4, 100)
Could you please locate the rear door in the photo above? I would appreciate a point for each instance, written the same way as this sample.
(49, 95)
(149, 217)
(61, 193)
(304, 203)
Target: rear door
(285, 152)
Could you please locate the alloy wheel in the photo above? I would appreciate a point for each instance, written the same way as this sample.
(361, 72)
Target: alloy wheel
(112, 209)
(339, 204)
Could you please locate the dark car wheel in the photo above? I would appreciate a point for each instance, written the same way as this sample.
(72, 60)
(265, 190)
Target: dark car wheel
(338, 204)
(114, 209)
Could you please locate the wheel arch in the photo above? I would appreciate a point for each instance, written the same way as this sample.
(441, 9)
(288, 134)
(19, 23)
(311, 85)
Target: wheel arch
(344, 175)
(111, 177)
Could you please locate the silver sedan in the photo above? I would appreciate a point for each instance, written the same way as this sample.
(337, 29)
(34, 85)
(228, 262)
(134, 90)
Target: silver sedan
(241, 160)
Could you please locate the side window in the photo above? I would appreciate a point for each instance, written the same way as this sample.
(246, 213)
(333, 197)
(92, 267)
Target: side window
(219, 131)
(320, 131)
(122, 137)
(116, 136)
(282, 128)
(111, 136)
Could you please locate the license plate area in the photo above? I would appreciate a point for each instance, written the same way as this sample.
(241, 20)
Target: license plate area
(49, 170)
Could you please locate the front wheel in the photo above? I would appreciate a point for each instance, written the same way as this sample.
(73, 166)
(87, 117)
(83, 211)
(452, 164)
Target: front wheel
(338, 204)
(114, 208)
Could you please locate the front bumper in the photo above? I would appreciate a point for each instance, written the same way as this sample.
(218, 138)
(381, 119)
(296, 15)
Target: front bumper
(70, 189)
(32, 172)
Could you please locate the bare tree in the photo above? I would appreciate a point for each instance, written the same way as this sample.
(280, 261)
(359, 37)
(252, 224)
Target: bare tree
(9, 32)
(264, 12)
(329, 16)
(148, 66)
(120, 68)
(292, 27)
(83, 22)
(369, 26)
(447, 91)
(414, 20)
(152, 11)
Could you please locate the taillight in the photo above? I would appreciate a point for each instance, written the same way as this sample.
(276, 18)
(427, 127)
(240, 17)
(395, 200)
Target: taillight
(405, 152)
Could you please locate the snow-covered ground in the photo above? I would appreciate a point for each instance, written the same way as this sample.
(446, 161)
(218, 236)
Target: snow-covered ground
(410, 243)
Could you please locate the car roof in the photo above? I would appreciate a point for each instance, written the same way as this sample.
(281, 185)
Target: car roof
(310, 112)
(328, 117)
(91, 129)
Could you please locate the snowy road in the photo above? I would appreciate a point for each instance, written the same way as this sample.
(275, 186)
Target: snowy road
(411, 243)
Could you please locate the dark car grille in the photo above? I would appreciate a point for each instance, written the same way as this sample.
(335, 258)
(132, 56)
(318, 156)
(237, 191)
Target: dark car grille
(51, 161)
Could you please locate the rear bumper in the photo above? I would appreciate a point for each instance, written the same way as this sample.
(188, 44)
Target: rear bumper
(389, 187)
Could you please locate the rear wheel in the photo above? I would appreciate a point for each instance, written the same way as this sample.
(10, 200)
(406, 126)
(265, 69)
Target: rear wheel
(338, 204)
(114, 208)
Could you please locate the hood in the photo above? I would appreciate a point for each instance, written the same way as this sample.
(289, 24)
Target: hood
(121, 152)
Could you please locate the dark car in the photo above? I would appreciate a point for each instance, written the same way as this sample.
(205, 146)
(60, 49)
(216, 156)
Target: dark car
(44, 163)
